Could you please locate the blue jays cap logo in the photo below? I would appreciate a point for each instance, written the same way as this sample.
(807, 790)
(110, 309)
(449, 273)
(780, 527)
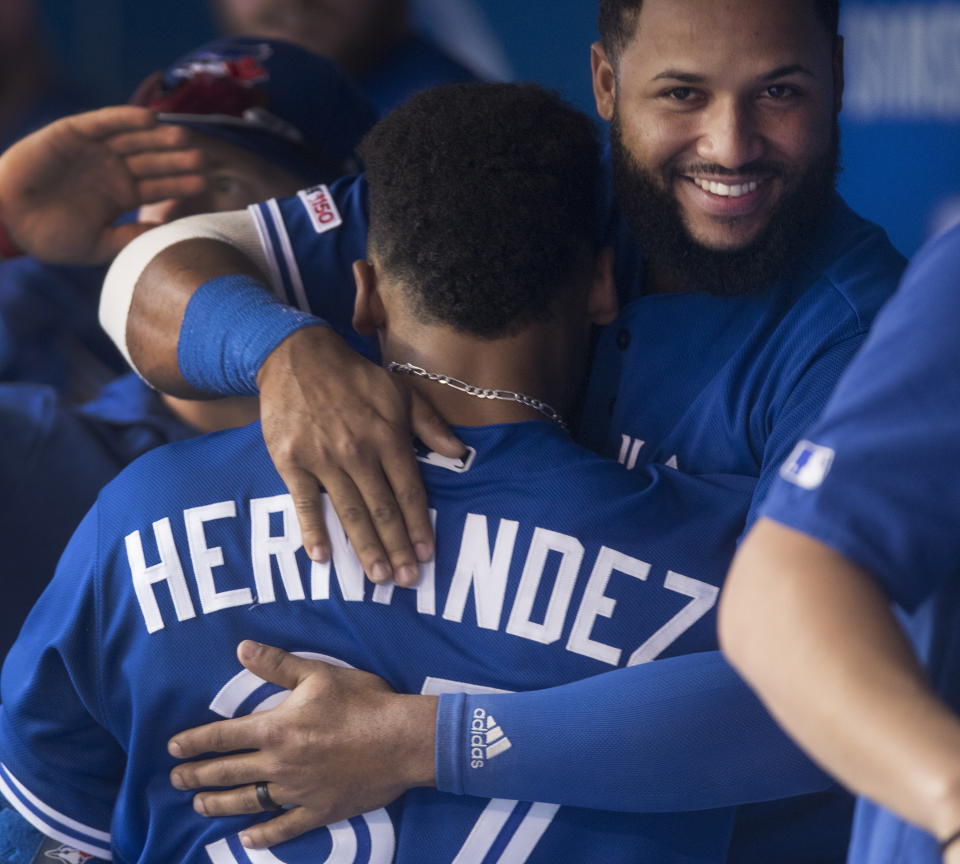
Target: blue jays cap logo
(243, 64)
(226, 87)
(67, 854)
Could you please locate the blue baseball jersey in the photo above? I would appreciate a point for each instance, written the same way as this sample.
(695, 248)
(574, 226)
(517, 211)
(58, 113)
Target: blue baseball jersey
(706, 384)
(56, 458)
(702, 383)
(49, 333)
(552, 565)
(876, 479)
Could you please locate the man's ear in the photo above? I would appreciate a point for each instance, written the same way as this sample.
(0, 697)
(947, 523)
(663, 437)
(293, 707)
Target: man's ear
(837, 74)
(368, 314)
(602, 303)
(604, 81)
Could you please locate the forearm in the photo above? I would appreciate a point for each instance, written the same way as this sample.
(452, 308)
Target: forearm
(147, 289)
(815, 636)
(683, 733)
(159, 304)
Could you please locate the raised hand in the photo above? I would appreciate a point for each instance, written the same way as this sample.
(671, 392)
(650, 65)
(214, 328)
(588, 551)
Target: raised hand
(63, 187)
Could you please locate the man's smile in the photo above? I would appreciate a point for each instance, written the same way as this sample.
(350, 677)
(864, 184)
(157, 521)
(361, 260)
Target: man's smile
(733, 196)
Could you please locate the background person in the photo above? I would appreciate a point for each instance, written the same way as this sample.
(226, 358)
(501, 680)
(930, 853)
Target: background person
(48, 323)
(863, 517)
(232, 94)
(116, 159)
(373, 40)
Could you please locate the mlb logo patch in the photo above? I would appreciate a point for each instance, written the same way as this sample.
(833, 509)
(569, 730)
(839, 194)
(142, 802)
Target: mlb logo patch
(808, 465)
(458, 466)
(321, 208)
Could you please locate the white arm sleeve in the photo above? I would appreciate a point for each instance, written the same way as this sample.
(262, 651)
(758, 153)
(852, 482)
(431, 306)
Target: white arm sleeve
(236, 228)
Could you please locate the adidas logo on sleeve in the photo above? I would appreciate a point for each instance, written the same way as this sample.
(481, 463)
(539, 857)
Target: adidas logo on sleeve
(486, 738)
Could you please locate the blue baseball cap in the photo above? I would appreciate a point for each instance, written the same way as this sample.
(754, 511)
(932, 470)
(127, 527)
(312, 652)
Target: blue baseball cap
(276, 99)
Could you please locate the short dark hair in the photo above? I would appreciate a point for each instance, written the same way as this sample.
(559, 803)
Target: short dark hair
(483, 203)
(618, 21)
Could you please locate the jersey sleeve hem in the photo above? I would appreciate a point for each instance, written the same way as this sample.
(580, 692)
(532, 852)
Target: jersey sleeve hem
(50, 821)
(281, 261)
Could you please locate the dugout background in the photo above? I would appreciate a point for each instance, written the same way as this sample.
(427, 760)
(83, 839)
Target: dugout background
(900, 126)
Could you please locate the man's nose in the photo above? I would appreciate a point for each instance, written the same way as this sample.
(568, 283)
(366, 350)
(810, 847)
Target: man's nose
(730, 135)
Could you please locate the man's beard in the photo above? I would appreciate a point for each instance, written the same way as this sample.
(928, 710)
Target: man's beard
(654, 216)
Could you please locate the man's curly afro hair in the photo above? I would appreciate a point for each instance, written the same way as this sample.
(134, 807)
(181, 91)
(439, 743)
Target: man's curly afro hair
(483, 203)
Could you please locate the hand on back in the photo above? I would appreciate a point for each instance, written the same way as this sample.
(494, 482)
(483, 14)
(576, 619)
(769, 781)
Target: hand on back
(336, 422)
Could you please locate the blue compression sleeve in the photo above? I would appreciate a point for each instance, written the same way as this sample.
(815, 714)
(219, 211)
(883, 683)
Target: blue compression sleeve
(230, 326)
(684, 733)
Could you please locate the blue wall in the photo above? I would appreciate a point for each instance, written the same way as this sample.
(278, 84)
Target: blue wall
(901, 120)
(901, 124)
(549, 41)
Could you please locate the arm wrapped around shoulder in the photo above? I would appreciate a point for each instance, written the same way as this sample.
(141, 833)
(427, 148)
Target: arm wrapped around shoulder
(234, 229)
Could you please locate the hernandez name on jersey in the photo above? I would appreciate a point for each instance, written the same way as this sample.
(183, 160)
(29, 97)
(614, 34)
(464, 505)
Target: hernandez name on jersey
(552, 565)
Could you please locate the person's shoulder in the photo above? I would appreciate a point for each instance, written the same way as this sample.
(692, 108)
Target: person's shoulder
(935, 269)
(855, 269)
(541, 463)
(29, 413)
(927, 301)
(538, 445)
(542, 480)
(324, 211)
(198, 470)
(538, 454)
(28, 409)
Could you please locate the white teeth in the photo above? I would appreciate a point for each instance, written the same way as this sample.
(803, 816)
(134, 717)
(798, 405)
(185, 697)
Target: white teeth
(724, 190)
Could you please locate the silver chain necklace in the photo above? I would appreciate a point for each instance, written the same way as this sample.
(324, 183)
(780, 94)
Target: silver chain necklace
(480, 392)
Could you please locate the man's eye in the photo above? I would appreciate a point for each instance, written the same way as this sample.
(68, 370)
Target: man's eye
(224, 185)
(779, 91)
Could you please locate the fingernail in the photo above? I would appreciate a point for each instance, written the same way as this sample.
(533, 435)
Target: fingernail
(177, 782)
(199, 806)
(246, 842)
(319, 554)
(381, 572)
(174, 749)
(424, 552)
(408, 575)
(249, 649)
